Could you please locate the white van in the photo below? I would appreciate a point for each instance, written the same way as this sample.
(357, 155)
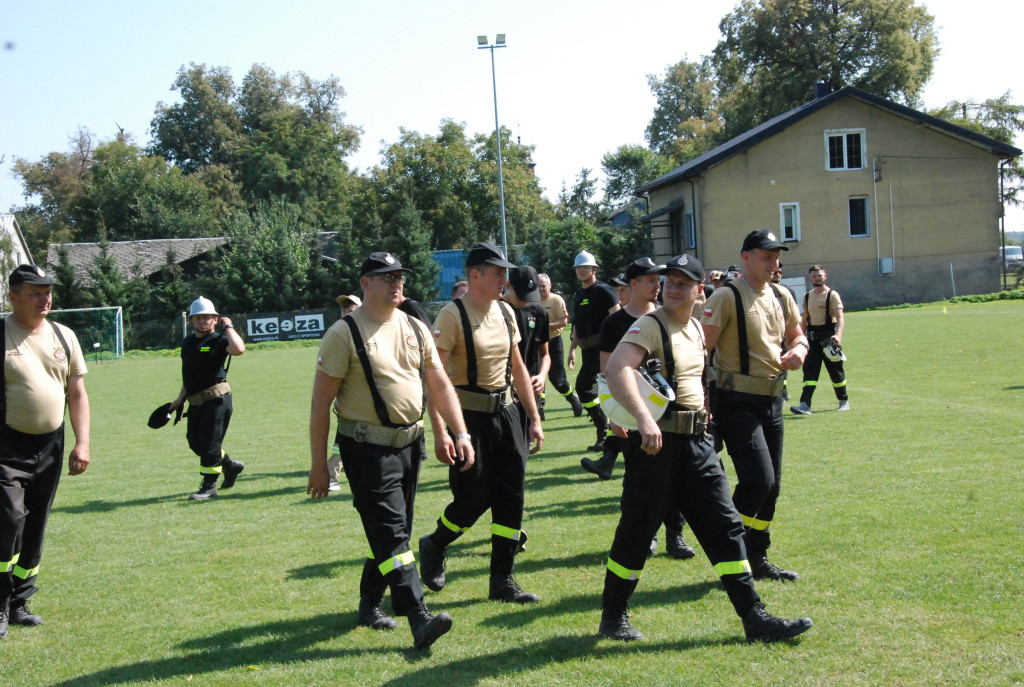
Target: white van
(1014, 256)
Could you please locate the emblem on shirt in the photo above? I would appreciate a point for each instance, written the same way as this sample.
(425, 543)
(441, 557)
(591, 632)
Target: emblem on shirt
(532, 322)
(635, 329)
(204, 349)
(59, 355)
(319, 360)
(437, 333)
(707, 312)
(410, 341)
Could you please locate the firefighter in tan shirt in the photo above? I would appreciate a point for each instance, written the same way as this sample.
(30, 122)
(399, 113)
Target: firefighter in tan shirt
(558, 317)
(375, 367)
(823, 323)
(42, 367)
(476, 337)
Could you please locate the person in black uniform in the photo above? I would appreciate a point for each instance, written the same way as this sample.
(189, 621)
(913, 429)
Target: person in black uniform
(558, 317)
(672, 460)
(204, 373)
(532, 318)
(476, 338)
(642, 278)
(593, 302)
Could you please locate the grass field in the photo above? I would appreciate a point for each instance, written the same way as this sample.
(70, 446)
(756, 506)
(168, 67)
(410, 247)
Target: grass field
(902, 516)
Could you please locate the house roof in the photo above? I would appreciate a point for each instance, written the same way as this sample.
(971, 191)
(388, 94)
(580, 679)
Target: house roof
(150, 255)
(778, 123)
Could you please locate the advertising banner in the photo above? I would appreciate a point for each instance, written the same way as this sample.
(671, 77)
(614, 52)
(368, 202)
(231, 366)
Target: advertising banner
(285, 326)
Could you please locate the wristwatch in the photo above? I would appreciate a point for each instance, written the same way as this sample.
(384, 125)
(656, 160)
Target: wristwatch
(464, 435)
(229, 326)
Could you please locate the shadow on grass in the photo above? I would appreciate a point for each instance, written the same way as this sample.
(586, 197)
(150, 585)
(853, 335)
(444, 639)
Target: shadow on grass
(181, 498)
(556, 650)
(280, 643)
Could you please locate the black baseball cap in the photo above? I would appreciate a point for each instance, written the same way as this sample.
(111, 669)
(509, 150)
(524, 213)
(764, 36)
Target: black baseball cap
(30, 274)
(524, 282)
(487, 254)
(688, 265)
(619, 279)
(763, 239)
(640, 267)
(381, 263)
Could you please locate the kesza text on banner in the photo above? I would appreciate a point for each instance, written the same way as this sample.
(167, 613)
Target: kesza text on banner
(285, 326)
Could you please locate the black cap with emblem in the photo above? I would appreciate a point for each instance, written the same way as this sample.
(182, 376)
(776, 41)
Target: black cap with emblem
(688, 265)
(381, 263)
(30, 274)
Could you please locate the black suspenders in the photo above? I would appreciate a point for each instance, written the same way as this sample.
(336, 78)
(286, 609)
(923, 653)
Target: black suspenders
(3, 360)
(467, 330)
(741, 326)
(378, 400)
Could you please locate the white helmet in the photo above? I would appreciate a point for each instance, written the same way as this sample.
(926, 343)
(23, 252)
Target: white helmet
(656, 400)
(584, 259)
(833, 351)
(202, 306)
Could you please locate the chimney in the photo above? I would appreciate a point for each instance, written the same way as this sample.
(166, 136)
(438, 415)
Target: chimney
(821, 89)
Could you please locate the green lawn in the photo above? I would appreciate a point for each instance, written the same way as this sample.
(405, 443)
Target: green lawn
(902, 517)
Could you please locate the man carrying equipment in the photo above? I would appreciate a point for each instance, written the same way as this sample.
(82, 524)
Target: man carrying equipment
(523, 295)
(823, 323)
(746, 324)
(558, 317)
(671, 460)
(593, 302)
(42, 373)
(204, 373)
(476, 338)
(375, 367)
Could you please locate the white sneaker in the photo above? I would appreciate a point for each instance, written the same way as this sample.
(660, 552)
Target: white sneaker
(802, 409)
(844, 405)
(334, 485)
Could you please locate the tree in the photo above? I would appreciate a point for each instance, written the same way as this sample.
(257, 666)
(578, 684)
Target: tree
(71, 293)
(108, 282)
(577, 201)
(997, 118)
(772, 52)
(411, 243)
(628, 168)
(554, 245)
(686, 122)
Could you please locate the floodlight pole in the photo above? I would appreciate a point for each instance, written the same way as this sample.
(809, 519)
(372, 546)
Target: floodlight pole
(483, 44)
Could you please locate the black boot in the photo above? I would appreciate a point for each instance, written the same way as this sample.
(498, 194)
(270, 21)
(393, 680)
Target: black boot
(758, 543)
(427, 628)
(615, 625)
(207, 490)
(600, 421)
(5, 601)
(761, 626)
(371, 615)
(676, 546)
(606, 463)
(574, 401)
(432, 563)
(506, 589)
(232, 469)
(20, 615)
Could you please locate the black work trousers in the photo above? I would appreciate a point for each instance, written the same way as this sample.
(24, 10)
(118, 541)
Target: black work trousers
(812, 369)
(685, 473)
(556, 373)
(207, 425)
(586, 379)
(752, 429)
(383, 484)
(496, 481)
(30, 469)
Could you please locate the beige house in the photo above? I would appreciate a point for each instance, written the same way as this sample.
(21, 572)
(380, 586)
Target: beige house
(899, 206)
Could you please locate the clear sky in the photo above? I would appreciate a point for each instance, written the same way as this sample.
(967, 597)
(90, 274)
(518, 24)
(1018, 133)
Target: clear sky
(572, 80)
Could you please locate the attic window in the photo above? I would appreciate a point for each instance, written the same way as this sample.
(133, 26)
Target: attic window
(845, 148)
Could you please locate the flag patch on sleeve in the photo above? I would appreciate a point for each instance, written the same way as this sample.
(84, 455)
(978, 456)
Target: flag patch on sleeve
(437, 333)
(707, 312)
(635, 329)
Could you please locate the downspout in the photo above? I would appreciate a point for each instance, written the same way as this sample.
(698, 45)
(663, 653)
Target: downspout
(874, 193)
(1002, 221)
(693, 206)
(892, 232)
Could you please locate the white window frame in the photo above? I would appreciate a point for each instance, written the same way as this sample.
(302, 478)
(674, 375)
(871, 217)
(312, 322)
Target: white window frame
(867, 217)
(796, 221)
(689, 231)
(829, 133)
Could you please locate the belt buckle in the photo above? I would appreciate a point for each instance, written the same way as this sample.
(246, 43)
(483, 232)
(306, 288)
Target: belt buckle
(359, 432)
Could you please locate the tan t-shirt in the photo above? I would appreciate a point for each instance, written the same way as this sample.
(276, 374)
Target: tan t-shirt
(490, 338)
(555, 306)
(687, 349)
(766, 327)
(36, 371)
(394, 355)
(816, 306)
